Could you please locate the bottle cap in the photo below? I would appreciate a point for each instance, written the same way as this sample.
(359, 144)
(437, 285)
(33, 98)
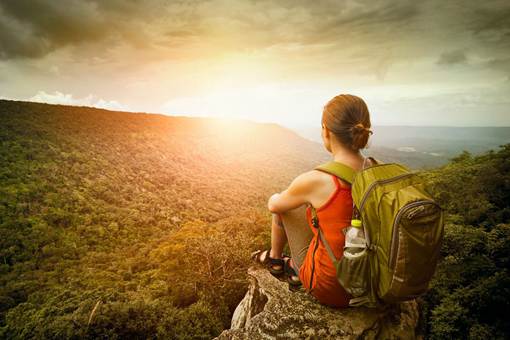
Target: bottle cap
(356, 223)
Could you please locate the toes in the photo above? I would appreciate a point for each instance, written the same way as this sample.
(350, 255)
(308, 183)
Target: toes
(260, 256)
(255, 255)
(263, 257)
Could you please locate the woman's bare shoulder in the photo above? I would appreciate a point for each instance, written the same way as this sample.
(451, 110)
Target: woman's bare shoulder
(311, 180)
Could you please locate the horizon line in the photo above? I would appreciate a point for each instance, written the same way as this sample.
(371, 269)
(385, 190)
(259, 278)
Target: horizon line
(244, 119)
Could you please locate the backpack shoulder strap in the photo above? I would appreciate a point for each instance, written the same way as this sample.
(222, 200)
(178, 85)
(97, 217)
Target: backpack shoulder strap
(338, 169)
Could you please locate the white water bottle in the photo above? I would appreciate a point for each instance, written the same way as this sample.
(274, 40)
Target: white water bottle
(355, 242)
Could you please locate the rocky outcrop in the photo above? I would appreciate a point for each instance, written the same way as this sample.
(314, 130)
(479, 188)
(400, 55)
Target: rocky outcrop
(269, 310)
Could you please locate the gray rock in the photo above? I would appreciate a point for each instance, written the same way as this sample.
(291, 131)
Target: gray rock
(270, 311)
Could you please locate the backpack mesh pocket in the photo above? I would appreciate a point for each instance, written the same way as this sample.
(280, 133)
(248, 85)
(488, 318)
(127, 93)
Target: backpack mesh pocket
(353, 273)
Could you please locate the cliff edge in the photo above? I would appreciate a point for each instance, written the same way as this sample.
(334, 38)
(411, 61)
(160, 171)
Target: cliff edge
(269, 310)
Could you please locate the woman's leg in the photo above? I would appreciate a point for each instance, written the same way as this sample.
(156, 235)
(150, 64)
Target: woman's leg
(295, 229)
(278, 237)
(278, 240)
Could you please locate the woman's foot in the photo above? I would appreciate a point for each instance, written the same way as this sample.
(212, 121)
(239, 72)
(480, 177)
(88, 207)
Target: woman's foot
(275, 265)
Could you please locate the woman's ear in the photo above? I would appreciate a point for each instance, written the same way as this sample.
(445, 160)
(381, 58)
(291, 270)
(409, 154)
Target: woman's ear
(326, 137)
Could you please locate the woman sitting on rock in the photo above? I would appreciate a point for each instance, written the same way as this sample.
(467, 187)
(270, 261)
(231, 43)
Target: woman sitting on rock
(345, 131)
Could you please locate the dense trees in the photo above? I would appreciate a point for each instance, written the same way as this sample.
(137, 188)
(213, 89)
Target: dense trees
(470, 295)
(116, 224)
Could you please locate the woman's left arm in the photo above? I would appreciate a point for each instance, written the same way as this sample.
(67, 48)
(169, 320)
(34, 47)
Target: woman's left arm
(294, 196)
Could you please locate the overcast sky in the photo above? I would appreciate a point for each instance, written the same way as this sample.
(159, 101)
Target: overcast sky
(414, 62)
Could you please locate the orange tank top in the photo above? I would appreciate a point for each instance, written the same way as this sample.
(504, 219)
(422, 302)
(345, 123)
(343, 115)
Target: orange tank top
(317, 273)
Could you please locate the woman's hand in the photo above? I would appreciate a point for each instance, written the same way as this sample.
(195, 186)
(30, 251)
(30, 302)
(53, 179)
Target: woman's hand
(294, 196)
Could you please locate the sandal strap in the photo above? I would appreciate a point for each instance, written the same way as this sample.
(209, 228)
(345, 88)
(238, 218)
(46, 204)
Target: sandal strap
(279, 262)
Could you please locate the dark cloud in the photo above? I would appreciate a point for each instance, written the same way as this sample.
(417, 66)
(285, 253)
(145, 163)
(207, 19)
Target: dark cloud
(452, 58)
(491, 16)
(36, 27)
(16, 41)
(499, 64)
(47, 25)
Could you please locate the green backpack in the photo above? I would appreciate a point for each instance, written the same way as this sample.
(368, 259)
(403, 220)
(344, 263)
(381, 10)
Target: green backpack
(403, 229)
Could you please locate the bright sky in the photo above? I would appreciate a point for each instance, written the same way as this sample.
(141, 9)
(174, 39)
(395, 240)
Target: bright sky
(414, 62)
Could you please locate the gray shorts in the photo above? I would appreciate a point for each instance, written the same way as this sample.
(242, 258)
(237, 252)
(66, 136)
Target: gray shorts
(299, 234)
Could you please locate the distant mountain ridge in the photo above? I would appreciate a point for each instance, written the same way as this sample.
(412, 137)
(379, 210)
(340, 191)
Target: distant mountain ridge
(427, 146)
(419, 147)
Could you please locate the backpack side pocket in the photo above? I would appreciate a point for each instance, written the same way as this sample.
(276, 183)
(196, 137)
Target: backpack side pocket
(353, 273)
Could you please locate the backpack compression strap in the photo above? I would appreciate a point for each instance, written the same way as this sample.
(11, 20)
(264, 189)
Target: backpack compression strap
(338, 169)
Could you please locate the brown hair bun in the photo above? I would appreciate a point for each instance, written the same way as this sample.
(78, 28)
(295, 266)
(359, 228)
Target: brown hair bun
(360, 136)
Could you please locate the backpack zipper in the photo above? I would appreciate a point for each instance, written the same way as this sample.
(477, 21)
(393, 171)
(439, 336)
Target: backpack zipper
(395, 231)
(370, 168)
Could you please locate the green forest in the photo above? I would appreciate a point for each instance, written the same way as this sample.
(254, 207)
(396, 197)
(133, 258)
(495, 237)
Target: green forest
(133, 225)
